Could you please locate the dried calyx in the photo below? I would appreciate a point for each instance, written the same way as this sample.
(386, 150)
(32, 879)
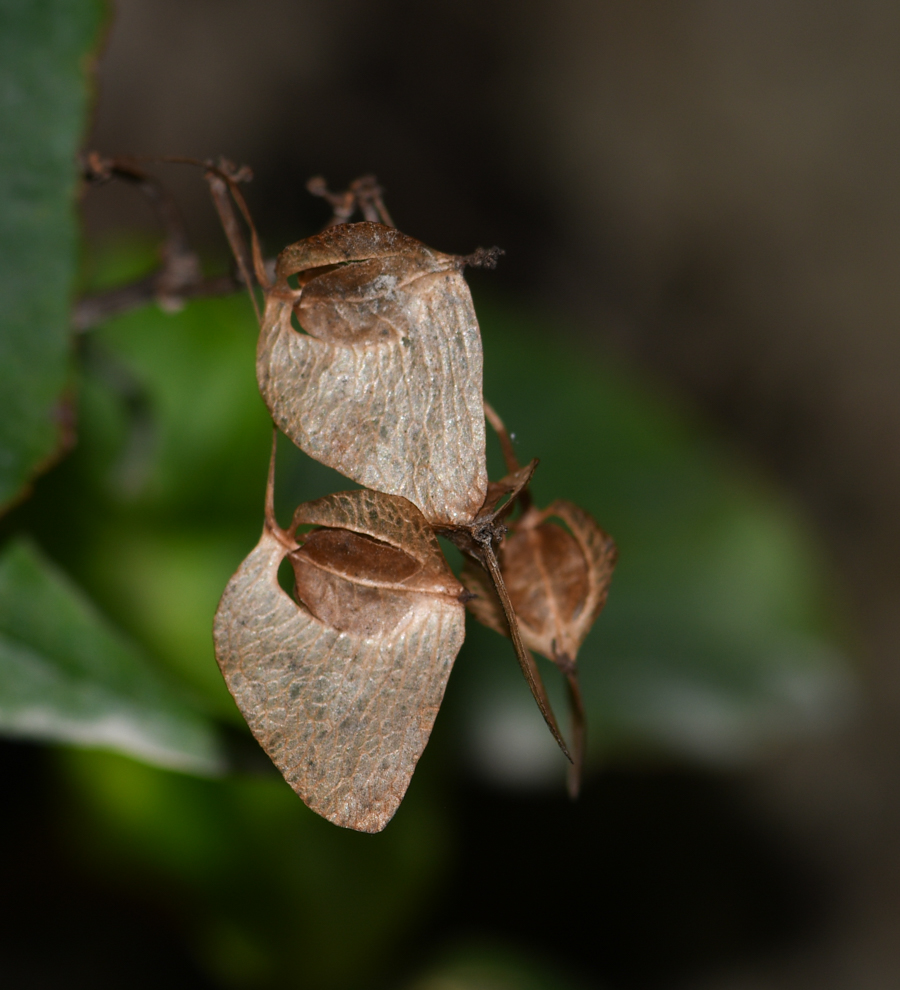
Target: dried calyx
(370, 360)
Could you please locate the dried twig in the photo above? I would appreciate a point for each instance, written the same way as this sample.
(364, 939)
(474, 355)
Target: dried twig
(179, 277)
(364, 195)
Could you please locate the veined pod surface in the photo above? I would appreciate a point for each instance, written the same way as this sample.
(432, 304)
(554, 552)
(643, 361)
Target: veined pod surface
(341, 687)
(557, 580)
(384, 383)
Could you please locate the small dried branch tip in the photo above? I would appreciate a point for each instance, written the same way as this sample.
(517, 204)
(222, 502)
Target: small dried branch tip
(364, 195)
(484, 257)
(179, 276)
(232, 172)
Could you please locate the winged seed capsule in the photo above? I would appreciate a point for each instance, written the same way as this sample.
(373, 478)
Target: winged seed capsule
(342, 686)
(384, 385)
(557, 581)
(369, 359)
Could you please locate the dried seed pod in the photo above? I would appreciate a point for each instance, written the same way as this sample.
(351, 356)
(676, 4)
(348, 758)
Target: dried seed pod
(479, 540)
(381, 380)
(557, 581)
(341, 687)
(384, 385)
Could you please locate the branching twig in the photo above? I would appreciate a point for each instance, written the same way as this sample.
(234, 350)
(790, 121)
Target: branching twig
(179, 277)
(92, 310)
(364, 195)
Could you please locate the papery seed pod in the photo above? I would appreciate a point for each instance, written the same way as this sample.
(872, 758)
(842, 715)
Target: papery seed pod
(383, 381)
(557, 580)
(342, 685)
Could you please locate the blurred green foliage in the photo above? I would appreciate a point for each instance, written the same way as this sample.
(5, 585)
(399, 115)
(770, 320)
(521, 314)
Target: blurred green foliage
(64, 674)
(269, 894)
(493, 967)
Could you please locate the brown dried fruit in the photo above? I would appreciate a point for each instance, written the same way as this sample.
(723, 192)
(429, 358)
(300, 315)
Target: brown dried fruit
(341, 688)
(554, 581)
(479, 541)
(557, 581)
(383, 382)
(384, 385)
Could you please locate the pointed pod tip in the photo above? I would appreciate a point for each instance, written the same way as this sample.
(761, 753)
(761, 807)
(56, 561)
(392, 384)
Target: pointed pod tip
(573, 783)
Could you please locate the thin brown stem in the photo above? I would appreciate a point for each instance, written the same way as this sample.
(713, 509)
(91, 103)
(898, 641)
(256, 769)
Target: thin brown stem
(180, 269)
(229, 175)
(271, 525)
(509, 453)
(259, 267)
(100, 169)
(90, 311)
(219, 191)
(523, 655)
(578, 724)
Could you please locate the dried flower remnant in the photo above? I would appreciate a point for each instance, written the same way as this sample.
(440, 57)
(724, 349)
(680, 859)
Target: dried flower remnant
(380, 379)
(341, 686)
(479, 541)
(369, 359)
(557, 580)
(384, 385)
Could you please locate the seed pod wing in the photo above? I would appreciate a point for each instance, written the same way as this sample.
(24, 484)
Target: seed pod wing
(385, 384)
(342, 688)
(557, 579)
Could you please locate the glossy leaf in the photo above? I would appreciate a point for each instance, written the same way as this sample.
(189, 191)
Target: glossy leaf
(342, 686)
(65, 676)
(384, 385)
(44, 78)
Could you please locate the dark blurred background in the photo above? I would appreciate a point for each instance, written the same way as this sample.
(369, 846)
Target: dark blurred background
(706, 190)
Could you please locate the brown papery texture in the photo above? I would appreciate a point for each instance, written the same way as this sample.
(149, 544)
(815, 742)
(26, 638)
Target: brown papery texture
(557, 580)
(342, 688)
(385, 382)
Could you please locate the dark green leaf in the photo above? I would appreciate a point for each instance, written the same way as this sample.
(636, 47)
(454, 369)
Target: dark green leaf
(66, 676)
(45, 50)
(277, 897)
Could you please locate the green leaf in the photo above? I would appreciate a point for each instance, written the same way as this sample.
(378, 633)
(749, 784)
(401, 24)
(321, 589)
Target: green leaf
(65, 676)
(45, 48)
